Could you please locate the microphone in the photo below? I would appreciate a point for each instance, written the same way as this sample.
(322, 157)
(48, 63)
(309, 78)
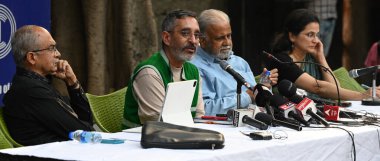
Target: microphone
(354, 73)
(305, 106)
(334, 113)
(267, 119)
(234, 74)
(255, 123)
(262, 95)
(245, 116)
(287, 109)
(271, 57)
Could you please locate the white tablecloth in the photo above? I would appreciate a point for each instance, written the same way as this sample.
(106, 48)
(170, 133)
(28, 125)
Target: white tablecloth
(306, 145)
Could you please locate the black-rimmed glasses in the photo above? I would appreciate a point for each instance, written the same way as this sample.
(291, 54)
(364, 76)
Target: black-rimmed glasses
(187, 34)
(52, 48)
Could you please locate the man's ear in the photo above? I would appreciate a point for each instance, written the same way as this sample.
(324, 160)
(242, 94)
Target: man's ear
(202, 42)
(30, 58)
(166, 38)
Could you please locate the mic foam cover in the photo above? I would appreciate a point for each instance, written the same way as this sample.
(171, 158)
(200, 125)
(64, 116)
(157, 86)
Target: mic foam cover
(262, 96)
(277, 100)
(263, 117)
(287, 88)
(295, 99)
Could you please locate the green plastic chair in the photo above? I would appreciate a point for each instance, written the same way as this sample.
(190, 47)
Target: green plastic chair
(108, 110)
(5, 131)
(346, 81)
(4, 143)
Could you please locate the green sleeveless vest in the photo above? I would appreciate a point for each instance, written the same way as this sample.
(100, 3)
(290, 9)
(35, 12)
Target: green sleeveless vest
(158, 63)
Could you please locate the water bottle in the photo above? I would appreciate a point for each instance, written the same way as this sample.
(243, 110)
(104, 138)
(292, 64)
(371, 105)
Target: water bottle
(85, 136)
(265, 78)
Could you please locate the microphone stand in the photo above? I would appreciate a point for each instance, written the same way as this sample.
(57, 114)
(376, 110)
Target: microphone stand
(238, 94)
(372, 101)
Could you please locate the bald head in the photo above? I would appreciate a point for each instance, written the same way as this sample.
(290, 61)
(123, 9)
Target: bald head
(25, 39)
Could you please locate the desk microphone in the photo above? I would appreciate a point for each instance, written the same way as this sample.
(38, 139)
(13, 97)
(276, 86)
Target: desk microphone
(262, 97)
(227, 67)
(245, 116)
(271, 57)
(305, 106)
(354, 73)
(374, 101)
(286, 108)
(269, 120)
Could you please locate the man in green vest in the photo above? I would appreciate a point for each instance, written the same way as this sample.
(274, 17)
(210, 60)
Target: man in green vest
(147, 86)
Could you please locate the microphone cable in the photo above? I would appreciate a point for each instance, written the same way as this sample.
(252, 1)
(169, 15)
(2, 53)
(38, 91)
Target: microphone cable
(350, 133)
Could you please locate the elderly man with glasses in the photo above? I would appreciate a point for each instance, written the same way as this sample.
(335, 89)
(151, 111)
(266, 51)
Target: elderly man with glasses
(35, 112)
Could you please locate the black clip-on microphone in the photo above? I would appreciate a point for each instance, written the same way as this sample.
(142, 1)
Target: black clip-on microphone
(270, 56)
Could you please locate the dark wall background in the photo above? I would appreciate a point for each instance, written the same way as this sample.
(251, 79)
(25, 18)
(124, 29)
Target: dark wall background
(254, 24)
(121, 32)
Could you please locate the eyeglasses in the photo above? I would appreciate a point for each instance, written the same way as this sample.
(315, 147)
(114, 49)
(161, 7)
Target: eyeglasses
(52, 48)
(187, 34)
(312, 35)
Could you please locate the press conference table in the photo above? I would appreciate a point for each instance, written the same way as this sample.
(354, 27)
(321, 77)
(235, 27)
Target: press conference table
(310, 144)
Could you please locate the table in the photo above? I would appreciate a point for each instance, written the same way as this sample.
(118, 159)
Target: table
(310, 144)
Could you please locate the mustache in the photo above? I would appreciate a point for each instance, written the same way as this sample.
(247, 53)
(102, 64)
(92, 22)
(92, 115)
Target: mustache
(225, 48)
(190, 46)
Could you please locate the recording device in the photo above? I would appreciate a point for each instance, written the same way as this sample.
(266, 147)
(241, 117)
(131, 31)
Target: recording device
(269, 120)
(286, 108)
(354, 73)
(271, 57)
(224, 65)
(305, 106)
(245, 116)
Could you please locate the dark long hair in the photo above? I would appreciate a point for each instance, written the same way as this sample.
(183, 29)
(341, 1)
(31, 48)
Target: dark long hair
(295, 22)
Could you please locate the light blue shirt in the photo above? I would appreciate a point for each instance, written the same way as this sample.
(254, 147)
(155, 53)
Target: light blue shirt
(218, 86)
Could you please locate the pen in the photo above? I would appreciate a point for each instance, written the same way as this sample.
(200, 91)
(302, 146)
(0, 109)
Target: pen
(213, 118)
(365, 86)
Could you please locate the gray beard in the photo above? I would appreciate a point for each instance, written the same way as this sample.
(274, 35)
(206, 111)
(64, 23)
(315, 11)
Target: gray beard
(224, 56)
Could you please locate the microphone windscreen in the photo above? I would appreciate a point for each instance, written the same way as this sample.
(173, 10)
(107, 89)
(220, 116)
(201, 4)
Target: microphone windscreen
(262, 98)
(263, 117)
(295, 99)
(277, 100)
(287, 88)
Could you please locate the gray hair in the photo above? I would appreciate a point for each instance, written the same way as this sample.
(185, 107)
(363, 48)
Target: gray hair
(23, 41)
(169, 21)
(211, 16)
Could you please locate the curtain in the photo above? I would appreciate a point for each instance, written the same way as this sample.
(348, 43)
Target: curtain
(103, 40)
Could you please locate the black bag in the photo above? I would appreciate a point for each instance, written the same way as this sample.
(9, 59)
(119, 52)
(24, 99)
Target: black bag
(165, 135)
